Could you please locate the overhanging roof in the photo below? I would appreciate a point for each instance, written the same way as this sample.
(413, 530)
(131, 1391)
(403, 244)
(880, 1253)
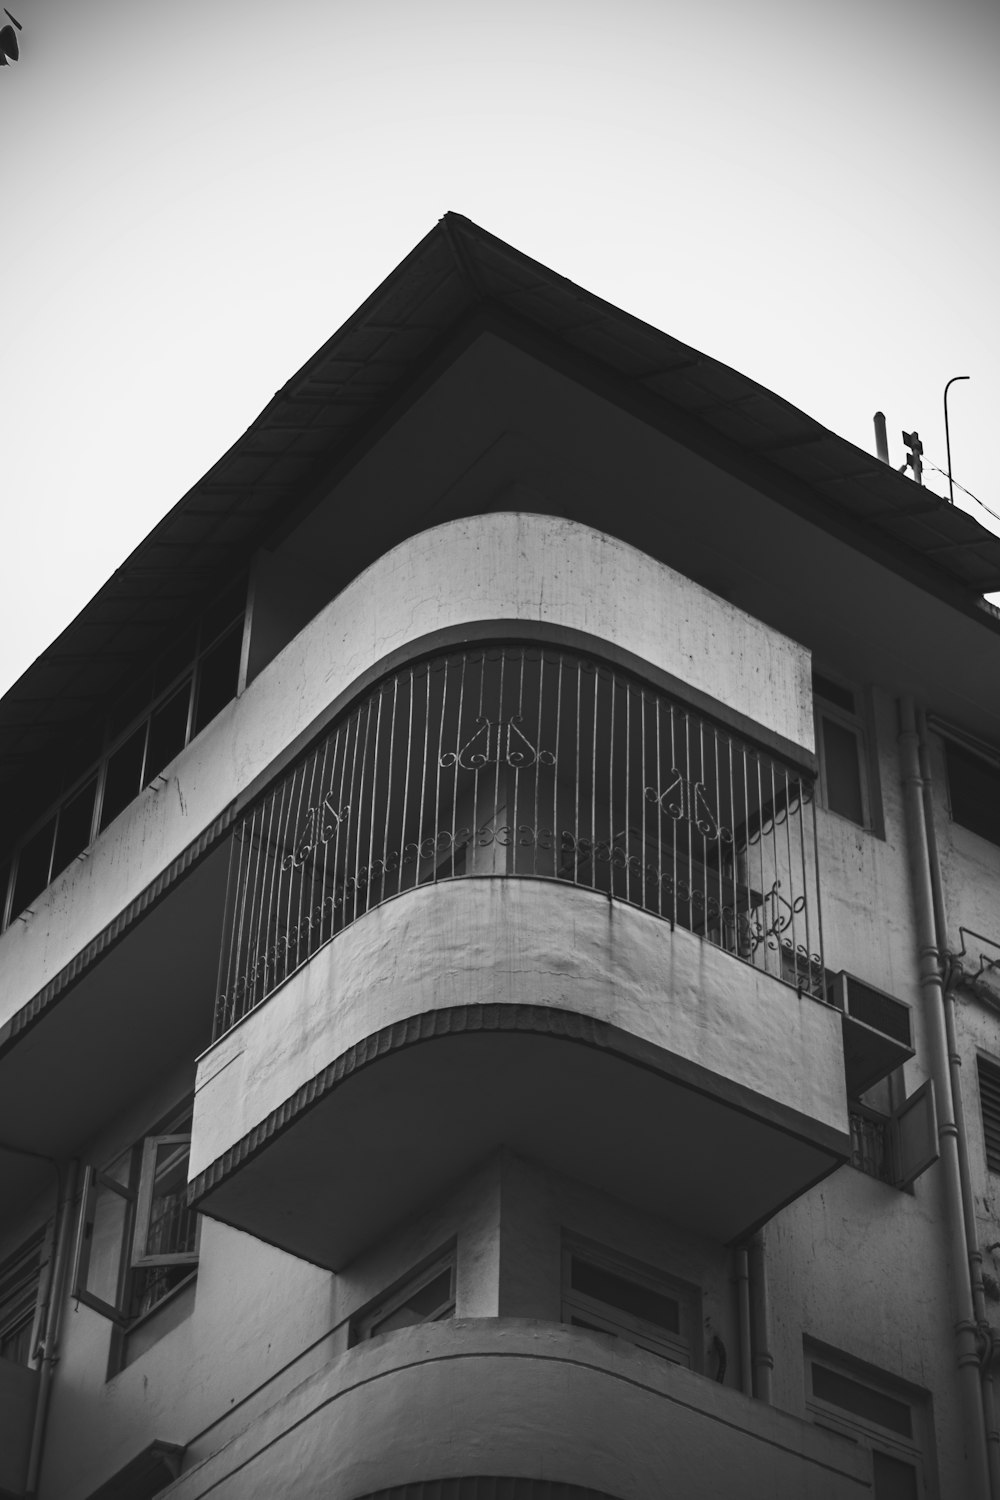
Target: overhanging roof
(314, 420)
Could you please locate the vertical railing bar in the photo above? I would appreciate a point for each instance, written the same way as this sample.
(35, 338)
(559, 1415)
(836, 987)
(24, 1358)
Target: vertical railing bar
(576, 811)
(476, 768)
(344, 826)
(308, 863)
(791, 875)
(445, 670)
(354, 828)
(406, 785)
(611, 783)
(390, 782)
(268, 906)
(374, 797)
(556, 830)
(593, 778)
(271, 860)
(821, 952)
(240, 963)
(455, 770)
(807, 894)
(718, 836)
(324, 796)
(536, 848)
(628, 785)
(423, 768)
(292, 877)
(496, 776)
(359, 871)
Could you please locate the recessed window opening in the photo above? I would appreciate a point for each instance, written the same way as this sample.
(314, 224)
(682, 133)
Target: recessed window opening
(842, 747)
(989, 1105)
(138, 1240)
(606, 1294)
(426, 1296)
(974, 791)
(879, 1413)
(20, 1279)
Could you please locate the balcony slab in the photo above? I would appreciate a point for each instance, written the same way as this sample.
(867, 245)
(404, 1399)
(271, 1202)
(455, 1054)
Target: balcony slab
(564, 1025)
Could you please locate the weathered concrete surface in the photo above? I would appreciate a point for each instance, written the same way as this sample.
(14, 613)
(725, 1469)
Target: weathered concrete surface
(521, 1398)
(494, 941)
(493, 567)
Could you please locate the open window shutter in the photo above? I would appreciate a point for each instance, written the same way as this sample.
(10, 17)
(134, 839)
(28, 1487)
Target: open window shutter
(105, 1221)
(916, 1134)
(165, 1228)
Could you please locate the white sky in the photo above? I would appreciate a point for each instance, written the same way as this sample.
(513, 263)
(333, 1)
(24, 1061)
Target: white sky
(195, 197)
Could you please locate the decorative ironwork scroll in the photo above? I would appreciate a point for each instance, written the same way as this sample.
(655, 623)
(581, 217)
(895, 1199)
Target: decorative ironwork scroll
(524, 761)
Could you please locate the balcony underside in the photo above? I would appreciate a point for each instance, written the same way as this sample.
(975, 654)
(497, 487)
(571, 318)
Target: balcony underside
(398, 1117)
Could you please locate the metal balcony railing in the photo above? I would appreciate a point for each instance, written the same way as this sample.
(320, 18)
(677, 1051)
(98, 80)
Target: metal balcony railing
(524, 761)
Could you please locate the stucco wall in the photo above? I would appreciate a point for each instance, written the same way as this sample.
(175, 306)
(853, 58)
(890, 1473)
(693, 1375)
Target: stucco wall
(522, 941)
(505, 566)
(522, 1398)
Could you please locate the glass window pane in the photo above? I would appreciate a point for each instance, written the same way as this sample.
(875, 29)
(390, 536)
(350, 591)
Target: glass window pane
(123, 778)
(865, 1402)
(104, 1245)
(218, 675)
(975, 792)
(628, 1296)
(842, 763)
(895, 1479)
(75, 821)
(33, 867)
(172, 1226)
(167, 731)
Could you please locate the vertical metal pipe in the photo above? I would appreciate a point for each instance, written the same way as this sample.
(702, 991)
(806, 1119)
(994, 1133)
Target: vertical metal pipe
(934, 1008)
(947, 435)
(760, 1305)
(743, 1307)
(975, 1255)
(53, 1318)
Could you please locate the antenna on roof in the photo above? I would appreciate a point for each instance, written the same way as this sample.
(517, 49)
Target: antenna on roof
(914, 449)
(947, 436)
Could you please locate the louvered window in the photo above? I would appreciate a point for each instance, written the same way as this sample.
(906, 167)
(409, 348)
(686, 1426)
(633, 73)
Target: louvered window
(989, 1100)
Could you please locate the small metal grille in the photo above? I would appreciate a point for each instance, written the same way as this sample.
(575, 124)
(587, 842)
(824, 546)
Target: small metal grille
(989, 1098)
(871, 1150)
(521, 761)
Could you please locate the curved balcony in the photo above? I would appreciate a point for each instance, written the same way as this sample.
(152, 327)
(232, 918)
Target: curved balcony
(525, 761)
(508, 1397)
(516, 897)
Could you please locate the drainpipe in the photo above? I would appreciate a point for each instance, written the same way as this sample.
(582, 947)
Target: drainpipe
(934, 1009)
(975, 1254)
(52, 1316)
(743, 1303)
(763, 1359)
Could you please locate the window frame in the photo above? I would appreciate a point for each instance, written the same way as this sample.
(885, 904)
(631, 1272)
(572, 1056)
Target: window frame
(364, 1323)
(681, 1349)
(207, 637)
(36, 1247)
(866, 1431)
(859, 722)
(135, 1190)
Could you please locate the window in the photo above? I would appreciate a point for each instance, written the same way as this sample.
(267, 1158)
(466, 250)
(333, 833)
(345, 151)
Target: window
(989, 1105)
(610, 1294)
(20, 1278)
(881, 1414)
(974, 791)
(146, 728)
(425, 1296)
(137, 1239)
(845, 770)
